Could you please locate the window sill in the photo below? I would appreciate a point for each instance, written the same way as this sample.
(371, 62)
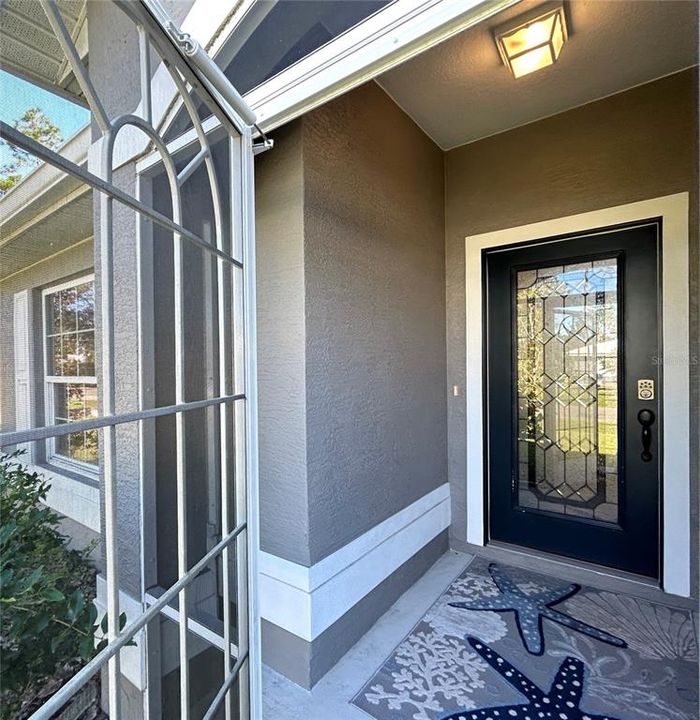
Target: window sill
(81, 474)
(52, 468)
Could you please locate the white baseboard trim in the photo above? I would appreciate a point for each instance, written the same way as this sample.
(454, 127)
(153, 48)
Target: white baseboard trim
(306, 601)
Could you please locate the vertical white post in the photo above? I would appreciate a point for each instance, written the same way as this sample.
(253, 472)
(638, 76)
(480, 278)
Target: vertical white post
(225, 469)
(236, 155)
(22, 338)
(145, 74)
(147, 438)
(181, 460)
(254, 664)
(109, 445)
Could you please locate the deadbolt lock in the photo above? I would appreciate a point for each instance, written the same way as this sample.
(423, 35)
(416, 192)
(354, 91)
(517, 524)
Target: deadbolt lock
(645, 389)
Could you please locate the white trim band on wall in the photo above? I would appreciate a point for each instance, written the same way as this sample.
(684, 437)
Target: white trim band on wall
(307, 600)
(675, 380)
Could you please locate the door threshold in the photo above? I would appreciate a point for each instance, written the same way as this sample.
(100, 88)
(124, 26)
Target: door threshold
(597, 576)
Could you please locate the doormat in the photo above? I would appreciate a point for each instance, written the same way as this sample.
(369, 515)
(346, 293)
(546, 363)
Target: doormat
(508, 644)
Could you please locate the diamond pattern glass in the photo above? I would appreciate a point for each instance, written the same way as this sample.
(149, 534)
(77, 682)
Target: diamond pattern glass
(567, 385)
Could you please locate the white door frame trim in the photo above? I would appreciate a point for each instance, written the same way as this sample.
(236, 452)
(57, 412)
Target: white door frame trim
(675, 380)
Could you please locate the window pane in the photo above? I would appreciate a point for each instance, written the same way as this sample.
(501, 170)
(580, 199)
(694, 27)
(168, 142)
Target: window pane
(68, 303)
(567, 369)
(55, 310)
(90, 394)
(86, 353)
(70, 352)
(74, 402)
(85, 303)
(69, 363)
(70, 323)
(60, 411)
(63, 445)
(54, 355)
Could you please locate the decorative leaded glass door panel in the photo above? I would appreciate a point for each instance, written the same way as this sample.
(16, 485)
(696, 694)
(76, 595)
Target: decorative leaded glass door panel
(572, 329)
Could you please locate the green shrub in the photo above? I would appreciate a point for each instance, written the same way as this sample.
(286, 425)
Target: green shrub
(48, 618)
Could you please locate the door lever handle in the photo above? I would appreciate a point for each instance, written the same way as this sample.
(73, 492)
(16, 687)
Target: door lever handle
(646, 419)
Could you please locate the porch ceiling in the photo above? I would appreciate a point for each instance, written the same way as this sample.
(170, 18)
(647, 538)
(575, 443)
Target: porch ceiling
(30, 49)
(46, 212)
(460, 91)
(69, 223)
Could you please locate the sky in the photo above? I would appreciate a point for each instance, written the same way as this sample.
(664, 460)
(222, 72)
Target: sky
(17, 96)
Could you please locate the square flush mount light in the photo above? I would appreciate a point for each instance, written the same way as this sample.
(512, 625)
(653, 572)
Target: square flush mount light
(533, 41)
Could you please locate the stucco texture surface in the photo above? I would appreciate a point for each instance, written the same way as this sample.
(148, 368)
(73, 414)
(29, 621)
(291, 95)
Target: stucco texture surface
(375, 308)
(351, 308)
(281, 348)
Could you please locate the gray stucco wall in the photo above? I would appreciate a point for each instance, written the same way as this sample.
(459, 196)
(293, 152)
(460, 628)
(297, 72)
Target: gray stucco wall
(636, 145)
(284, 508)
(113, 35)
(351, 328)
(351, 347)
(375, 315)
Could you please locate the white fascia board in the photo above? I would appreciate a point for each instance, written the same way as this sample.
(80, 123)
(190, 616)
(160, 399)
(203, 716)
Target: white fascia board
(391, 36)
(388, 38)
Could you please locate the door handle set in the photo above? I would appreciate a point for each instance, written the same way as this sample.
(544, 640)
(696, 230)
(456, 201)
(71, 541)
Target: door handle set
(646, 419)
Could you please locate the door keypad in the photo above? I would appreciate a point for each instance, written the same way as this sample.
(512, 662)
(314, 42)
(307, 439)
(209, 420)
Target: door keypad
(645, 389)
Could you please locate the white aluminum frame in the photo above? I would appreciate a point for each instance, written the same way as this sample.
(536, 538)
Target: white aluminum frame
(187, 66)
(90, 472)
(389, 37)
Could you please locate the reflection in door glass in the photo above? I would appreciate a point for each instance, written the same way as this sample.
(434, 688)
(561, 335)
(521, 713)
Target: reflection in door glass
(567, 384)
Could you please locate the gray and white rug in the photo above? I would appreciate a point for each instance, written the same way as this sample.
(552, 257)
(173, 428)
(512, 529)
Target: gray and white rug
(508, 644)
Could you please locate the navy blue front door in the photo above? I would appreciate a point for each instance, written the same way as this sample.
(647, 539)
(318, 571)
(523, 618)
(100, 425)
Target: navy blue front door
(573, 426)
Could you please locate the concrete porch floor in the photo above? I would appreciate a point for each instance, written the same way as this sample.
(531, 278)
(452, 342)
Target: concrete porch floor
(330, 698)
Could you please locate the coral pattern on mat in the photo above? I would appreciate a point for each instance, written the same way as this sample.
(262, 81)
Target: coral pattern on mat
(633, 659)
(561, 702)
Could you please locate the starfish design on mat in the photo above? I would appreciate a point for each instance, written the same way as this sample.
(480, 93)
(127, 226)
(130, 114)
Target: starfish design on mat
(530, 609)
(562, 702)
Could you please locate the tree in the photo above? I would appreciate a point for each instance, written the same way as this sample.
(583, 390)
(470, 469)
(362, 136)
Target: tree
(36, 125)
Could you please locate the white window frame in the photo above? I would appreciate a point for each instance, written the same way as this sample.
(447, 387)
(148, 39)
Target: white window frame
(54, 459)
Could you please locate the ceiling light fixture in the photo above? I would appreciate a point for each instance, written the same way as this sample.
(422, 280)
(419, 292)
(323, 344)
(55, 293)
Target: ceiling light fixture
(532, 41)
